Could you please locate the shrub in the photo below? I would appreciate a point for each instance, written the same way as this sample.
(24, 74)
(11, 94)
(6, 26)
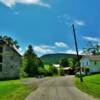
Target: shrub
(41, 71)
(49, 70)
(80, 75)
(87, 70)
(62, 73)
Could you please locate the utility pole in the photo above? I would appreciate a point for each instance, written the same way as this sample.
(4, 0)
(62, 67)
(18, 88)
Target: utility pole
(78, 58)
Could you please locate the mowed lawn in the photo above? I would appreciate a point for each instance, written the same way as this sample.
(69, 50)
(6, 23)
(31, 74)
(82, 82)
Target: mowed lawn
(15, 90)
(91, 85)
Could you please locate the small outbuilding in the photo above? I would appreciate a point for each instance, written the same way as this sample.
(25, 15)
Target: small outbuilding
(10, 61)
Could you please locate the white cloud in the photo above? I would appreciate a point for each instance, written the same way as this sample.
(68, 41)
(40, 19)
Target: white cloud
(41, 50)
(68, 20)
(79, 22)
(47, 46)
(88, 38)
(11, 3)
(46, 49)
(61, 44)
(71, 51)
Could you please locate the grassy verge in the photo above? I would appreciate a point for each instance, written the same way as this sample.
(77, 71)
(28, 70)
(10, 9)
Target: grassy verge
(91, 85)
(14, 90)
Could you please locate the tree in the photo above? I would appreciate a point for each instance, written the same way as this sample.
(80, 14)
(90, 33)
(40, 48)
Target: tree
(64, 62)
(92, 48)
(61, 71)
(41, 71)
(39, 62)
(32, 62)
(29, 61)
(73, 62)
(11, 42)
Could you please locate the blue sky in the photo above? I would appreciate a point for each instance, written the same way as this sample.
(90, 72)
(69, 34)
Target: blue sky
(46, 24)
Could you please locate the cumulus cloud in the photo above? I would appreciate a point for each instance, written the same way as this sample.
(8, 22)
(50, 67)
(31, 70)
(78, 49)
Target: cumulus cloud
(47, 49)
(11, 3)
(40, 50)
(61, 44)
(88, 38)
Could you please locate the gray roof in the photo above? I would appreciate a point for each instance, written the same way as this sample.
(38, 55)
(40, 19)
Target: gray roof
(95, 57)
(92, 57)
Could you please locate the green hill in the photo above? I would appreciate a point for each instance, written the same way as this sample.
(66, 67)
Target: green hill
(56, 58)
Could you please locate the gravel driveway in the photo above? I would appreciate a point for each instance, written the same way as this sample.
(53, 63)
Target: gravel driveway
(61, 88)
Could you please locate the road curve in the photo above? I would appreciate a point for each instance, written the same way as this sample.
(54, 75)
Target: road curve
(61, 88)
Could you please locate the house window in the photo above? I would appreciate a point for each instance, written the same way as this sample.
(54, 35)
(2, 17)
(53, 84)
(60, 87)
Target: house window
(1, 58)
(0, 67)
(1, 49)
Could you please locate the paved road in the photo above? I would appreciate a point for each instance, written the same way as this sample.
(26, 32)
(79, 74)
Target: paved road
(61, 88)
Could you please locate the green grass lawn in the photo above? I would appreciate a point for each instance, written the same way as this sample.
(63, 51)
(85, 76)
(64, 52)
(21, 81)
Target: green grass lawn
(14, 90)
(91, 85)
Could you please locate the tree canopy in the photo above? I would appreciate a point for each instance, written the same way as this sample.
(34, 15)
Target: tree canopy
(64, 62)
(10, 41)
(69, 62)
(92, 48)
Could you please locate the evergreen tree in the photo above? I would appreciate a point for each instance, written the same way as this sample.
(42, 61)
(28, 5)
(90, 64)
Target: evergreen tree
(29, 59)
(31, 62)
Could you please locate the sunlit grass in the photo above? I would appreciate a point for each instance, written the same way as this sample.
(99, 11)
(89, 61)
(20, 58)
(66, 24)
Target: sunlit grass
(91, 85)
(15, 90)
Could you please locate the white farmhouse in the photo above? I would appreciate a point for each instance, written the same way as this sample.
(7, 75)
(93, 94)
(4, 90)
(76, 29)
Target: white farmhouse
(92, 62)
